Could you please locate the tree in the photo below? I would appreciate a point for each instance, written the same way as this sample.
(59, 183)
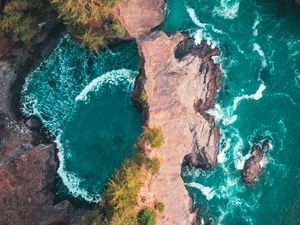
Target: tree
(154, 165)
(147, 217)
(20, 19)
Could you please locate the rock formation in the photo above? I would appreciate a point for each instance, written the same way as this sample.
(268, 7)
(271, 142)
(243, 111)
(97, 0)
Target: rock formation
(181, 82)
(139, 16)
(28, 162)
(252, 167)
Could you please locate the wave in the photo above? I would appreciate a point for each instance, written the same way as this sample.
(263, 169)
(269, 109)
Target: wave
(257, 48)
(255, 24)
(228, 9)
(208, 192)
(70, 180)
(256, 96)
(113, 78)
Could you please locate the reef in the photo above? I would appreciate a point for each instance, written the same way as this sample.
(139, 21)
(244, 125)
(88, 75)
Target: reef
(181, 82)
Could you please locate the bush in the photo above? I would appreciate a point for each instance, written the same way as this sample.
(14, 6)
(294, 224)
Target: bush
(20, 19)
(160, 207)
(140, 158)
(93, 217)
(154, 165)
(147, 217)
(143, 96)
(154, 136)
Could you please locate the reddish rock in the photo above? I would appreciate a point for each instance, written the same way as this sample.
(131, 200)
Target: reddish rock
(180, 83)
(139, 16)
(27, 175)
(252, 167)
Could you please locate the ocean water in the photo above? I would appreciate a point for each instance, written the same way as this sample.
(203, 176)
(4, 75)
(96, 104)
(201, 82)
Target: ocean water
(84, 100)
(259, 99)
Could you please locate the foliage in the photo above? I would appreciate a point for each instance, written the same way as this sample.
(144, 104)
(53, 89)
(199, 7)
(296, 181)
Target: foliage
(140, 158)
(154, 136)
(90, 20)
(147, 217)
(154, 165)
(20, 19)
(160, 207)
(122, 194)
(143, 96)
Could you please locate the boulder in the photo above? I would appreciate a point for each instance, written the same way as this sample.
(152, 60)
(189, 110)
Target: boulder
(252, 166)
(33, 123)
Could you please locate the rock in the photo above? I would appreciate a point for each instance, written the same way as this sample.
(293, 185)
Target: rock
(252, 166)
(139, 16)
(179, 91)
(298, 2)
(33, 123)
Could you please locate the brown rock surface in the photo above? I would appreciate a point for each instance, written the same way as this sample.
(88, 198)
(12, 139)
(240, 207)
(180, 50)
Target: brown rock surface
(139, 16)
(252, 166)
(179, 90)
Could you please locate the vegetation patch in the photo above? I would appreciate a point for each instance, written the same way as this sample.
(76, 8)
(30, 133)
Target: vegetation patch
(160, 207)
(147, 217)
(154, 165)
(143, 96)
(154, 136)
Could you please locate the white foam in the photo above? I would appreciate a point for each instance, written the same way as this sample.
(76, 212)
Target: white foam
(112, 77)
(70, 180)
(227, 9)
(208, 192)
(257, 48)
(256, 96)
(255, 24)
(194, 18)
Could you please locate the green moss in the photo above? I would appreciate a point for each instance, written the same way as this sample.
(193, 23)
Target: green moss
(147, 217)
(160, 207)
(154, 136)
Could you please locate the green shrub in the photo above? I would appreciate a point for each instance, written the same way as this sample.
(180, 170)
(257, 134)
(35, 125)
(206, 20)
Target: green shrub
(147, 217)
(160, 207)
(154, 165)
(154, 136)
(140, 158)
(20, 19)
(94, 217)
(143, 96)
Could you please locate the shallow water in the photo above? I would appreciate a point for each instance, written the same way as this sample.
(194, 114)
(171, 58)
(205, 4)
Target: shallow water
(84, 101)
(259, 98)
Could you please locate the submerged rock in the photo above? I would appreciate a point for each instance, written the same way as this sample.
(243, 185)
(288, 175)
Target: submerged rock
(252, 167)
(179, 91)
(33, 123)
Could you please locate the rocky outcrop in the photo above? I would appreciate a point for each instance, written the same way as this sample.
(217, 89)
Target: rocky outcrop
(298, 2)
(181, 83)
(27, 160)
(27, 175)
(139, 16)
(252, 167)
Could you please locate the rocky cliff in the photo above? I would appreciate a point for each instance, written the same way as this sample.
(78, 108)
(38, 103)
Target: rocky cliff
(139, 16)
(181, 83)
(28, 161)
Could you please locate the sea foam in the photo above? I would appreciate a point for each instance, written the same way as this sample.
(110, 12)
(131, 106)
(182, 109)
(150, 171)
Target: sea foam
(112, 77)
(208, 192)
(228, 9)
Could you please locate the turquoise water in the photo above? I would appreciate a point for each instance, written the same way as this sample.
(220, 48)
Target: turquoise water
(85, 102)
(259, 98)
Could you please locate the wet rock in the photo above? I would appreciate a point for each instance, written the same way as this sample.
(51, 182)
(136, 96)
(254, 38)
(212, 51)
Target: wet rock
(33, 123)
(252, 166)
(178, 95)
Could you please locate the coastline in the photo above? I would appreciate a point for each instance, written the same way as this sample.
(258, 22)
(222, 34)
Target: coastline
(179, 91)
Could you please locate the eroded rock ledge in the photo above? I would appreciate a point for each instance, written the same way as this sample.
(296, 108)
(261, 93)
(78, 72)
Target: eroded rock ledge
(181, 83)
